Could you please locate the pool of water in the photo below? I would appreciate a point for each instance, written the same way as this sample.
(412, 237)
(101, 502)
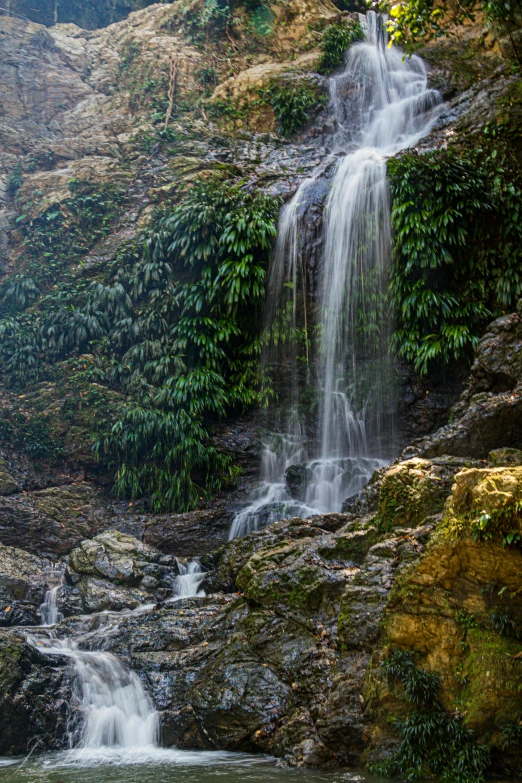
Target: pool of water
(165, 766)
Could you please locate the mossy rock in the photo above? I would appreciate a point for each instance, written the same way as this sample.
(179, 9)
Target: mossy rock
(412, 491)
(485, 490)
(494, 693)
(352, 547)
(8, 485)
(288, 577)
(503, 458)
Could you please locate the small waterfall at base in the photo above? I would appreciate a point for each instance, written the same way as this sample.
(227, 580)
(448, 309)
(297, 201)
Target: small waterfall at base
(380, 105)
(109, 714)
(189, 579)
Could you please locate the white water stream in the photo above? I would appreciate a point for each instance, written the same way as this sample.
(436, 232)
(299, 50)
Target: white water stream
(189, 579)
(379, 105)
(110, 715)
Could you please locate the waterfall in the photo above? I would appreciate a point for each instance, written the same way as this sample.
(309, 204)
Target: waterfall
(379, 105)
(189, 579)
(110, 714)
(50, 614)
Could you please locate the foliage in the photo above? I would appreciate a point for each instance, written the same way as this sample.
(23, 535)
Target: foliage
(503, 524)
(15, 181)
(71, 227)
(432, 741)
(33, 434)
(502, 622)
(457, 224)
(172, 327)
(199, 289)
(293, 102)
(412, 21)
(511, 734)
(335, 41)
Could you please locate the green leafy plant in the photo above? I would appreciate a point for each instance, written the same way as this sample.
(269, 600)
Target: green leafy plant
(293, 102)
(335, 42)
(503, 622)
(432, 741)
(412, 21)
(511, 733)
(33, 434)
(501, 525)
(193, 343)
(457, 247)
(15, 181)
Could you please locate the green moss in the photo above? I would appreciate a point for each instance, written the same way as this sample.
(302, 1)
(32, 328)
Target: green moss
(352, 547)
(494, 679)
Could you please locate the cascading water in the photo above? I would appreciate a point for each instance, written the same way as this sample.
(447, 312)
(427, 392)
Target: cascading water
(380, 105)
(50, 614)
(189, 579)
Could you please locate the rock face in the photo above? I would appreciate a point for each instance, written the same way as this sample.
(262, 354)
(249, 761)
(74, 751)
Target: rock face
(52, 521)
(32, 697)
(23, 582)
(489, 413)
(89, 15)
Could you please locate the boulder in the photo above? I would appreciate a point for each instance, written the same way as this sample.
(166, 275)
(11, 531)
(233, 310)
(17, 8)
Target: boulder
(297, 478)
(503, 458)
(190, 534)
(115, 571)
(8, 485)
(33, 698)
(23, 583)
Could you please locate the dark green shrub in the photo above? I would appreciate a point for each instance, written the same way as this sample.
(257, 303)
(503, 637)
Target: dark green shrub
(15, 181)
(335, 42)
(457, 225)
(432, 741)
(293, 102)
(511, 734)
(193, 344)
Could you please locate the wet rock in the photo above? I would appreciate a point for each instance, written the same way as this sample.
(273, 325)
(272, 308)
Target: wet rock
(32, 698)
(191, 534)
(113, 556)
(23, 582)
(114, 571)
(52, 521)
(281, 668)
(227, 562)
(489, 413)
(8, 485)
(297, 478)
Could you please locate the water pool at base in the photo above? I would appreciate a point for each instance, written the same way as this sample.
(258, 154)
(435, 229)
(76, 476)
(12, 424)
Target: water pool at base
(165, 766)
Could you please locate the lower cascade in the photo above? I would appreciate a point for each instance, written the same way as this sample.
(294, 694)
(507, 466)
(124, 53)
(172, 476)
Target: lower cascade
(381, 104)
(109, 706)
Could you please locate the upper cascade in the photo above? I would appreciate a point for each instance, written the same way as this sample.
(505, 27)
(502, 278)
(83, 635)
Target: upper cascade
(379, 105)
